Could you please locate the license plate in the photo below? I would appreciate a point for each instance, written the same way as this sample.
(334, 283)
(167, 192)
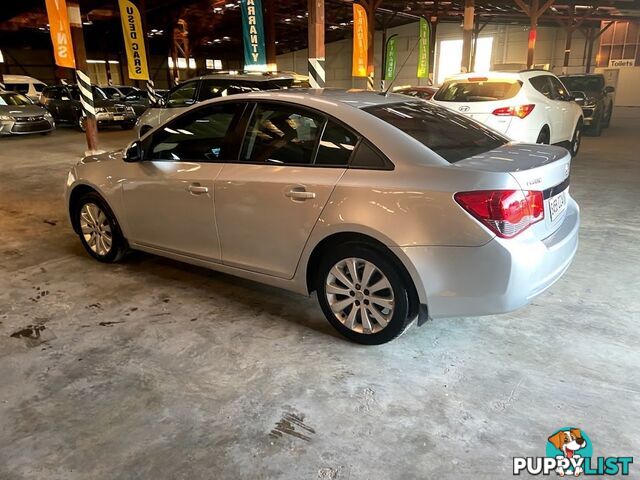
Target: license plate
(557, 205)
(118, 118)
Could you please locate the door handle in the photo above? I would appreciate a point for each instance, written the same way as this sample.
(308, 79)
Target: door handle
(299, 194)
(197, 189)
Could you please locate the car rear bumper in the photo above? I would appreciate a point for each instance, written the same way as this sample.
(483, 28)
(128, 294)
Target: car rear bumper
(498, 277)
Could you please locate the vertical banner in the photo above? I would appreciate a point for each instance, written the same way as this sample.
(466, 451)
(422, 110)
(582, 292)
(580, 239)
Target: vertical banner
(134, 41)
(423, 49)
(391, 58)
(360, 41)
(60, 33)
(255, 57)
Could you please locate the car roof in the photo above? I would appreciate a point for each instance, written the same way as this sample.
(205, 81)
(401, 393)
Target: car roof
(353, 97)
(581, 75)
(249, 77)
(522, 75)
(10, 78)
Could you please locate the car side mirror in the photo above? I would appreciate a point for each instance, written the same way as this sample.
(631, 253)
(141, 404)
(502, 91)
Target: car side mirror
(578, 97)
(609, 89)
(133, 152)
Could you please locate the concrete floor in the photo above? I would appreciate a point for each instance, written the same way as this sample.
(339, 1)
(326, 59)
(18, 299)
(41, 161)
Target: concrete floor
(155, 369)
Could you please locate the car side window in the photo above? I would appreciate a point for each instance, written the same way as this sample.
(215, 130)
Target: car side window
(207, 134)
(542, 85)
(558, 89)
(367, 157)
(336, 145)
(212, 89)
(182, 95)
(281, 134)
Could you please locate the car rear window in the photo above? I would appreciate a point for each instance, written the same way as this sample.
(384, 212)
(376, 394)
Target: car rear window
(478, 90)
(592, 83)
(452, 136)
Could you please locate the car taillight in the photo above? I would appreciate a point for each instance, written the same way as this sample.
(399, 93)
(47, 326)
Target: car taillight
(519, 111)
(505, 212)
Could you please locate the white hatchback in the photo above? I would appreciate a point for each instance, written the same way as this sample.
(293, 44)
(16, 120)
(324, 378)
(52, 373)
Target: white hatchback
(531, 106)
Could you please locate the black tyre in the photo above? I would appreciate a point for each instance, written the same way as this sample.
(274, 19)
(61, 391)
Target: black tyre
(98, 229)
(543, 136)
(362, 294)
(597, 126)
(576, 140)
(81, 123)
(607, 118)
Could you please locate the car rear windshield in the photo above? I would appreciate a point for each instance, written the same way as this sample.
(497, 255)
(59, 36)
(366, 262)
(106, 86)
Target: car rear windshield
(477, 90)
(592, 83)
(452, 136)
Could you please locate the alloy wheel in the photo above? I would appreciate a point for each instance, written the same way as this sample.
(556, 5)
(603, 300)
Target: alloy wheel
(360, 295)
(96, 229)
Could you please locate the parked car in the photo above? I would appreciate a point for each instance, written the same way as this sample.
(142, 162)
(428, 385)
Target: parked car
(207, 87)
(390, 208)
(424, 92)
(130, 96)
(63, 101)
(597, 107)
(19, 115)
(529, 106)
(27, 86)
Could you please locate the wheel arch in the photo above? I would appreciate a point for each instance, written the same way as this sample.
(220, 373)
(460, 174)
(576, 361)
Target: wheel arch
(341, 238)
(76, 193)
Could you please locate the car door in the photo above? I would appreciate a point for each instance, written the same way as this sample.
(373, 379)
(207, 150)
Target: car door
(551, 106)
(562, 98)
(169, 196)
(269, 201)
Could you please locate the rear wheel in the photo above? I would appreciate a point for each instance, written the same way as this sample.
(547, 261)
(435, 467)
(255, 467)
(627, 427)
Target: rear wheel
(576, 140)
(607, 117)
(98, 229)
(81, 123)
(362, 294)
(544, 136)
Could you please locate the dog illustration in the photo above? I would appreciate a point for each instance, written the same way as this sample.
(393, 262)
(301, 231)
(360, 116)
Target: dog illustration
(568, 441)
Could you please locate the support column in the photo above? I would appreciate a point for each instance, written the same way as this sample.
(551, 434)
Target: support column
(317, 77)
(591, 36)
(151, 92)
(534, 12)
(467, 36)
(567, 43)
(82, 77)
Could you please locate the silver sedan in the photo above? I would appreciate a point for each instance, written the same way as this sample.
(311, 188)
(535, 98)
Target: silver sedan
(391, 208)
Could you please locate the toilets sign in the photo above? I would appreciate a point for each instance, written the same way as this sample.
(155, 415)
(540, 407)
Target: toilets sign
(253, 35)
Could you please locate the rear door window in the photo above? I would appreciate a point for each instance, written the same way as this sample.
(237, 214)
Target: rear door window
(452, 136)
(541, 84)
(17, 87)
(558, 90)
(336, 145)
(281, 134)
(478, 90)
(182, 95)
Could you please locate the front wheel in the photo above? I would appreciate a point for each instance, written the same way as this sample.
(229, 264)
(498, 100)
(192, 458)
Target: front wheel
(576, 140)
(81, 123)
(98, 229)
(362, 294)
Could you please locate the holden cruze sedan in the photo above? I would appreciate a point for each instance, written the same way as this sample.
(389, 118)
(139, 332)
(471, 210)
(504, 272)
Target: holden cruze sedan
(391, 209)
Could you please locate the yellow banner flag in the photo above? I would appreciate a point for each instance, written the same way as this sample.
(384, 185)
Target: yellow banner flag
(360, 41)
(134, 41)
(60, 33)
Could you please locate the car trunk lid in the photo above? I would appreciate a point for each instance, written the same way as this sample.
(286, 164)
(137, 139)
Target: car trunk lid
(535, 167)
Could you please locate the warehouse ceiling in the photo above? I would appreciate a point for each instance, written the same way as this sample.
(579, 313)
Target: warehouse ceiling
(215, 25)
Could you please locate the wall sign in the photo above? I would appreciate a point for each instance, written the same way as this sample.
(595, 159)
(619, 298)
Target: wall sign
(622, 63)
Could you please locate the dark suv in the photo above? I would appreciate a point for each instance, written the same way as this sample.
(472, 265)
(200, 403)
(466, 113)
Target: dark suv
(598, 103)
(63, 101)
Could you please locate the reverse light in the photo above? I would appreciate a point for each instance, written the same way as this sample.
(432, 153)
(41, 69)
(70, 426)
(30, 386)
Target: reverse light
(519, 111)
(505, 212)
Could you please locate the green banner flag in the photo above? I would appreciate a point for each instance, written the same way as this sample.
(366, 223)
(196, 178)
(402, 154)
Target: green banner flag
(423, 51)
(391, 58)
(253, 35)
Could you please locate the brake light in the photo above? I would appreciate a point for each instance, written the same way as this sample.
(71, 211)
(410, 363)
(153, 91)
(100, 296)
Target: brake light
(519, 111)
(506, 212)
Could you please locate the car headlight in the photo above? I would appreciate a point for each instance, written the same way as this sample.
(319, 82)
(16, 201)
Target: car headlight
(6, 118)
(48, 115)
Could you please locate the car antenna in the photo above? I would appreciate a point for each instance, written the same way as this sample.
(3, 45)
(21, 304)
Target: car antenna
(386, 92)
